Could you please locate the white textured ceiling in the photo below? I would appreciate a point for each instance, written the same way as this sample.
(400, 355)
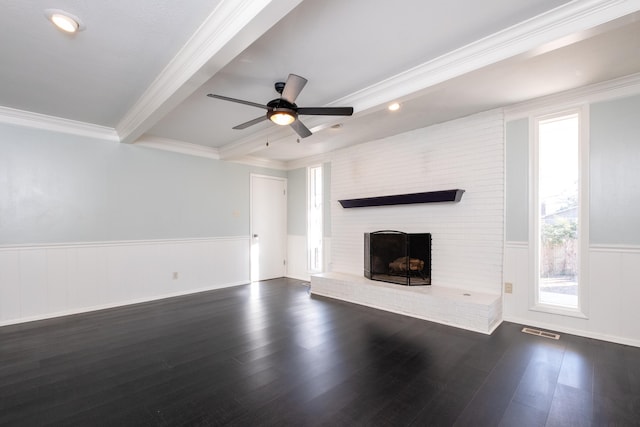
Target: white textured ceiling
(135, 71)
(96, 75)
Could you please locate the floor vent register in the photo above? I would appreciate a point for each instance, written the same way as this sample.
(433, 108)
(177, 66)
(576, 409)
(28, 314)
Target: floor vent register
(540, 333)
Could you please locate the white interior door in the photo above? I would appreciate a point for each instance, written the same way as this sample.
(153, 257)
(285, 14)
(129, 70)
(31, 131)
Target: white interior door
(268, 227)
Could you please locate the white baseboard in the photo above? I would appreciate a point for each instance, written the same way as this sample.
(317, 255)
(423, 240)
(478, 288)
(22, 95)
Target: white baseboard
(573, 331)
(299, 277)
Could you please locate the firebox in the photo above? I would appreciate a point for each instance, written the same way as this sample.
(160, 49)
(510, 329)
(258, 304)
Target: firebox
(397, 257)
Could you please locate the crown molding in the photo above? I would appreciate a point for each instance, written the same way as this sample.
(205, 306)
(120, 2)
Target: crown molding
(254, 142)
(23, 118)
(260, 162)
(309, 161)
(227, 31)
(219, 27)
(177, 146)
(190, 149)
(611, 89)
(574, 17)
(528, 36)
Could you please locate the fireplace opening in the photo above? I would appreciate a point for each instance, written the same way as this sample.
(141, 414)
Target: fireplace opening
(397, 257)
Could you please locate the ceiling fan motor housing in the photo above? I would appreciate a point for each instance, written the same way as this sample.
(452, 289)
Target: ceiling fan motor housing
(279, 87)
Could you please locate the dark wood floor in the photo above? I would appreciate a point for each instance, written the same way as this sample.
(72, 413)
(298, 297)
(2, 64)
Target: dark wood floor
(269, 354)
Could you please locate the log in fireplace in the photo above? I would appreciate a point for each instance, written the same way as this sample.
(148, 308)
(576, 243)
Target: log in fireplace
(397, 257)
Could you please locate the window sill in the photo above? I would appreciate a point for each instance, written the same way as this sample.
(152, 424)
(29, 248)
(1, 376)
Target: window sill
(561, 311)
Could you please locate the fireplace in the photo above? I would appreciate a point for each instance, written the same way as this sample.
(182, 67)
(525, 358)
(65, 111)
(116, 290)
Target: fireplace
(397, 257)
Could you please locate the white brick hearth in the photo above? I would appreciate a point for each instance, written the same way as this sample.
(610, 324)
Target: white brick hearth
(475, 311)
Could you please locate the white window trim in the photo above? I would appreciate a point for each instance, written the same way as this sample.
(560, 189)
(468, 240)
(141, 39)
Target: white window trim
(534, 224)
(309, 269)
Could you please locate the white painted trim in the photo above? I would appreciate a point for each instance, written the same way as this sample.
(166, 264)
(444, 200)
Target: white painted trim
(253, 260)
(572, 331)
(28, 246)
(584, 190)
(260, 162)
(116, 305)
(516, 245)
(548, 27)
(256, 141)
(22, 118)
(308, 161)
(177, 146)
(608, 248)
(582, 311)
(298, 277)
(211, 47)
(594, 247)
(560, 311)
(611, 89)
(570, 18)
(226, 20)
(190, 149)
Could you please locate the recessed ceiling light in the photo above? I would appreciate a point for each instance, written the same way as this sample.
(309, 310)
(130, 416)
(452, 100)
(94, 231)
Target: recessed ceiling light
(64, 20)
(393, 107)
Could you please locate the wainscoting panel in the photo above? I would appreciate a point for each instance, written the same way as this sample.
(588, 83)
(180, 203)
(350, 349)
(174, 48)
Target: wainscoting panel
(614, 292)
(297, 257)
(44, 281)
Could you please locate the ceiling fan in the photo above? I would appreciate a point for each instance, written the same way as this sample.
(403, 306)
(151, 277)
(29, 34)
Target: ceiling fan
(283, 111)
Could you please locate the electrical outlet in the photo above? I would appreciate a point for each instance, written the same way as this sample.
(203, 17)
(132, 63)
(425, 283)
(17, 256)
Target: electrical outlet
(175, 275)
(508, 287)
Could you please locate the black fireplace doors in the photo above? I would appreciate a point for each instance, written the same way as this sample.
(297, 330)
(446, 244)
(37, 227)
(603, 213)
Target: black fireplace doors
(397, 257)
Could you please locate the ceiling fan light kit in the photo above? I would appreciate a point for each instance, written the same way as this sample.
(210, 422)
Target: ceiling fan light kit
(281, 116)
(283, 111)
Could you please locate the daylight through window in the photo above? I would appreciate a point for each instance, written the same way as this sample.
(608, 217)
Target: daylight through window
(558, 210)
(314, 219)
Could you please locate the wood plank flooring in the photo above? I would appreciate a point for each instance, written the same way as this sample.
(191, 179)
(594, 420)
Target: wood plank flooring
(270, 354)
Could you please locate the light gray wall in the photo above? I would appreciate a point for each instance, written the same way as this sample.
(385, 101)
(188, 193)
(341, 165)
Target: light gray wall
(297, 202)
(614, 156)
(517, 181)
(62, 188)
(615, 171)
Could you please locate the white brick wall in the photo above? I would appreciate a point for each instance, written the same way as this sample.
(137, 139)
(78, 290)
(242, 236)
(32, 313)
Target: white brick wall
(467, 236)
(479, 312)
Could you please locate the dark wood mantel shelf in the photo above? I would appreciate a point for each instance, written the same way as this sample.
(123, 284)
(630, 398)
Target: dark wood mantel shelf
(405, 199)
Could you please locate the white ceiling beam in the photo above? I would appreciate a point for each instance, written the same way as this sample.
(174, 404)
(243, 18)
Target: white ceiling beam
(229, 30)
(526, 37)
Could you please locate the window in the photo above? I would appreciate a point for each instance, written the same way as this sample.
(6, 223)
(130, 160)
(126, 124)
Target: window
(314, 219)
(560, 209)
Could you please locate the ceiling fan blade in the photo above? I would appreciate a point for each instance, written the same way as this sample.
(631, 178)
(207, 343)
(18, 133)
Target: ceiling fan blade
(239, 101)
(300, 129)
(326, 111)
(293, 87)
(251, 122)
